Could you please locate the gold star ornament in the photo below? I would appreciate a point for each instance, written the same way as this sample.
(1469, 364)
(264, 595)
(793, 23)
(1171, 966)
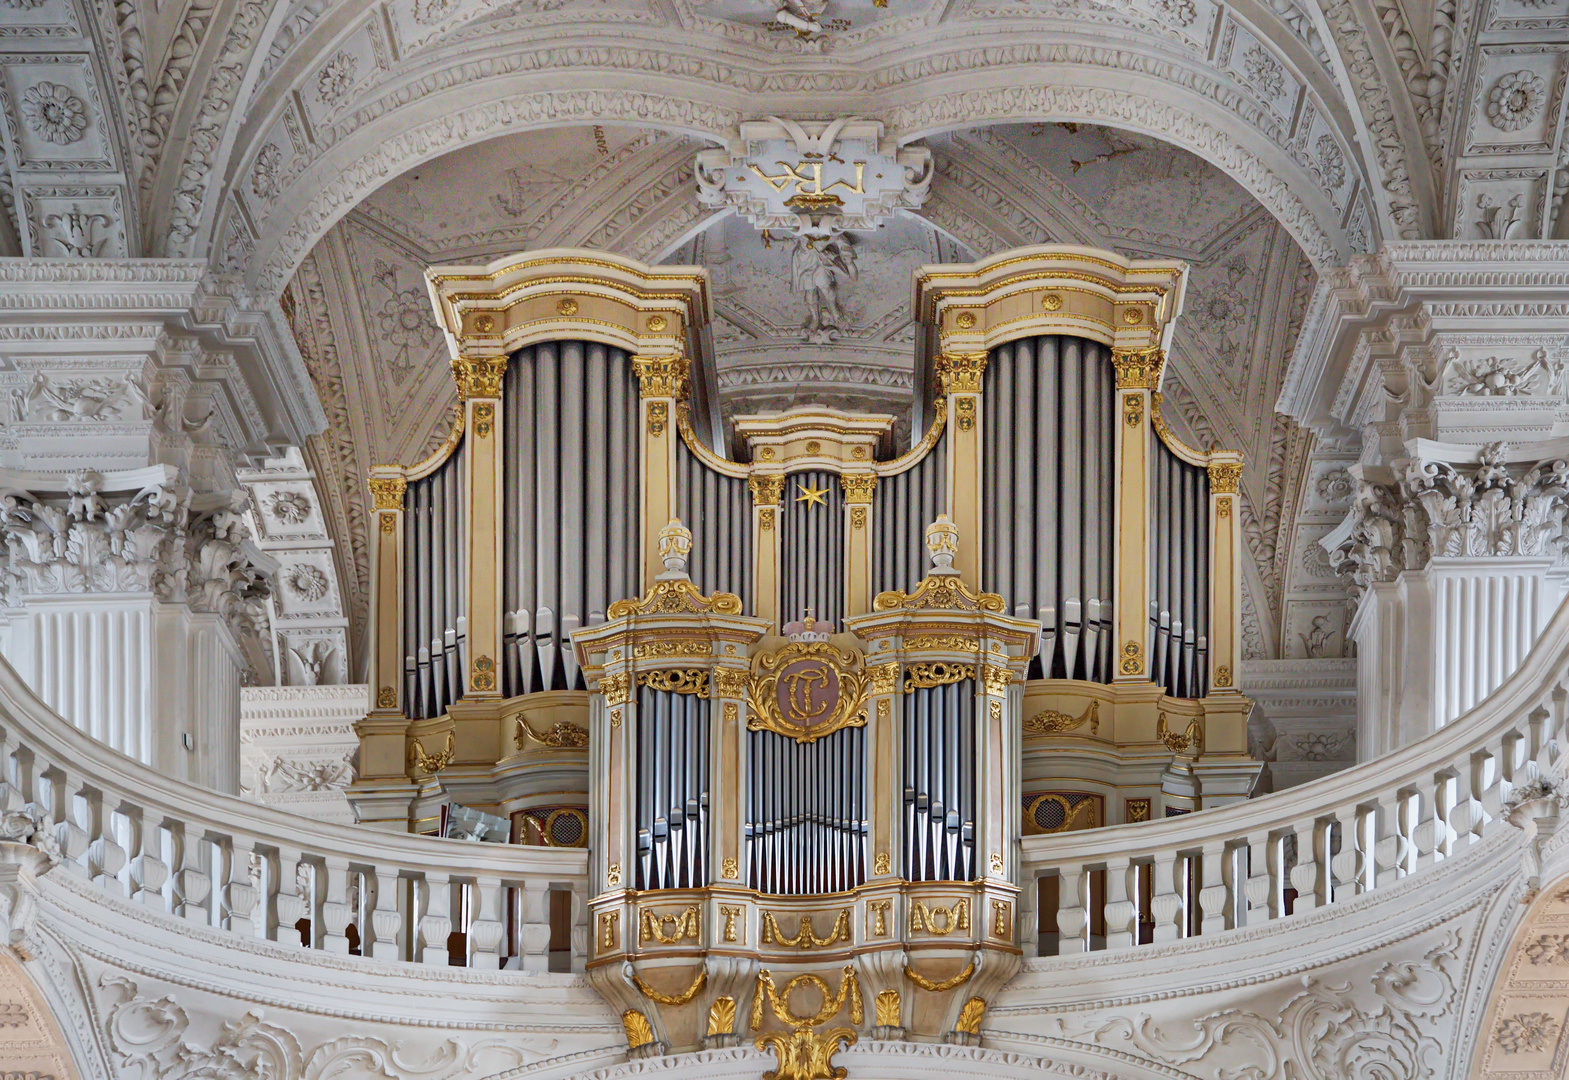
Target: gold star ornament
(811, 497)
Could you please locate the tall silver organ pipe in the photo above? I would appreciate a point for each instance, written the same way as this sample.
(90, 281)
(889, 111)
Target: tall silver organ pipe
(811, 548)
(672, 789)
(570, 483)
(902, 506)
(434, 588)
(939, 782)
(718, 510)
(1049, 415)
(1179, 574)
(806, 821)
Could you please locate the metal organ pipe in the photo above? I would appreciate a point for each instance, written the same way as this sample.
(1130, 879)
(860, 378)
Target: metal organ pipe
(939, 782)
(902, 506)
(811, 554)
(1050, 406)
(805, 813)
(1179, 574)
(434, 617)
(718, 510)
(569, 425)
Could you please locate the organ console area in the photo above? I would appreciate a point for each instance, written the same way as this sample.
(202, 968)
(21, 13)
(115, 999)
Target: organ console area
(800, 689)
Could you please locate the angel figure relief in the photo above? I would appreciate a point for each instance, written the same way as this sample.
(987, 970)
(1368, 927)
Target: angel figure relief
(818, 267)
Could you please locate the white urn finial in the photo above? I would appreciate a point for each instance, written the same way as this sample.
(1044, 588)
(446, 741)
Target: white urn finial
(675, 544)
(942, 540)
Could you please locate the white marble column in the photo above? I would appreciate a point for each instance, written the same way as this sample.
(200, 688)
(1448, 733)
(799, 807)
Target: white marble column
(1441, 367)
(135, 594)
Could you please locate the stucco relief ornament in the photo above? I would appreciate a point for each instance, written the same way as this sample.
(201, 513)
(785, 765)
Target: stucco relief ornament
(1525, 1031)
(1181, 12)
(52, 112)
(307, 582)
(1534, 806)
(336, 78)
(1264, 72)
(290, 507)
(1331, 162)
(264, 177)
(1516, 100)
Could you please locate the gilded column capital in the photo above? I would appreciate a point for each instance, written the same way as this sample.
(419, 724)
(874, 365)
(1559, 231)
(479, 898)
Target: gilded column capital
(766, 490)
(1224, 476)
(661, 376)
(960, 372)
(387, 492)
(1138, 369)
(858, 488)
(478, 377)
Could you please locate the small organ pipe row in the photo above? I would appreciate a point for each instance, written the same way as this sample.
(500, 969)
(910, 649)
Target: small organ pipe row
(939, 782)
(811, 549)
(434, 576)
(570, 493)
(672, 789)
(1179, 575)
(806, 821)
(718, 510)
(903, 505)
(1050, 410)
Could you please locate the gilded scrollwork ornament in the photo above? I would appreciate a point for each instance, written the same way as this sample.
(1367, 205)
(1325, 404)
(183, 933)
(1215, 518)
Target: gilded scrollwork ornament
(387, 492)
(806, 690)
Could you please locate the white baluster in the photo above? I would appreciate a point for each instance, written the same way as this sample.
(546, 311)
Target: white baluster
(105, 857)
(489, 925)
(1344, 863)
(534, 932)
(1306, 878)
(435, 925)
(1122, 914)
(336, 914)
(148, 871)
(240, 891)
(1073, 919)
(295, 895)
(1263, 875)
(1214, 893)
(191, 884)
(1029, 915)
(384, 921)
(1166, 902)
(580, 927)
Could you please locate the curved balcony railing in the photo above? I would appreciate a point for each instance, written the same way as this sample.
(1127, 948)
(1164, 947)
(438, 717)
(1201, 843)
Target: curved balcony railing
(254, 871)
(1320, 844)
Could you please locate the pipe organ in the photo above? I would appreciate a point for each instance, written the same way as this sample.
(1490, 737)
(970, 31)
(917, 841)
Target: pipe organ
(802, 683)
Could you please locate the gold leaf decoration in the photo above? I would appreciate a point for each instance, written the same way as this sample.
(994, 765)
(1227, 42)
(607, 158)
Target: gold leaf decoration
(672, 1000)
(1052, 722)
(935, 673)
(1191, 741)
(970, 1016)
(805, 1055)
(721, 1016)
(936, 987)
(432, 763)
(888, 1008)
(824, 690)
(676, 597)
(941, 592)
(562, 735)
(635, 1024)
(686, 924)
(938, 919)
(805, 936)
(676, 681)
